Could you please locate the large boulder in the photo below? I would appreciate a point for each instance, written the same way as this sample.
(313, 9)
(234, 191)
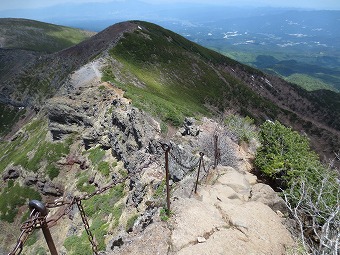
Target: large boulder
(190, 127)
(266, 195)
(52, 189)
(194, 219)
(222, 219)
(238, 181)
(12, 172)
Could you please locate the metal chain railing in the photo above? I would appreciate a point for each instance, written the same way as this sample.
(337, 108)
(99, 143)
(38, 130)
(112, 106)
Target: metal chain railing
(167, 150)
(26, 229)
(87, 226)
(179, 162)
(38, 219)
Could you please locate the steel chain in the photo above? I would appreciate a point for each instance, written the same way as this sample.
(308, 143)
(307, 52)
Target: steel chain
(35, 221)
(182, 165)
(102, 190)
(26, 229)
(57, 204)
(87, 226)
(52, 221)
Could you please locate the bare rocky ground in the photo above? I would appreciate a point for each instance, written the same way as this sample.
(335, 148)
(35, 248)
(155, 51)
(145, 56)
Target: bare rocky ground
(230, 214)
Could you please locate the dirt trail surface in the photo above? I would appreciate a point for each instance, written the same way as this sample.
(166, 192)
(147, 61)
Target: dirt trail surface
(228, 215)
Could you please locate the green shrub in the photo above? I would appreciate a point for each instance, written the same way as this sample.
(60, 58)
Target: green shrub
(164, 127)
(99, 230)
(104, 204)
(96, 154)
(310, 189)
(52, 171)
(107, 74)
(160, 191)
(10, 183)
(284, 154)
(83, 185)
(164, 215)
(78, 245)
(33, 142)
(123, 172)
(117, 212)
(286, 158)
(241, 129)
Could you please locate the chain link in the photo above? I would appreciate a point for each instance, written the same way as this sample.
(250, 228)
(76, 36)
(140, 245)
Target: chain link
(26, 229)
(35, 220)
(177, 160)
(87, 226)
(102, 190)
(68, 205)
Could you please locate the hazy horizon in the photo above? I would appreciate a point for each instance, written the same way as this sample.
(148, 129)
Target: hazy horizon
(309, 4)
(80, 13)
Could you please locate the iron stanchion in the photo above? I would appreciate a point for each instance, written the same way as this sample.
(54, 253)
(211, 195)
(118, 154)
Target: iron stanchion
(217, 151)
(41, 208)
(198, 171)
(166, 149)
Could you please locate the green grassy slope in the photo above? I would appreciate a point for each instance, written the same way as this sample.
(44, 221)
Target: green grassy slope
(180, 77)
(38, 36)
(8, 117)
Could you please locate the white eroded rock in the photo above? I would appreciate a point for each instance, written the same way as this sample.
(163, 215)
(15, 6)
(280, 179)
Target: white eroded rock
(194, 218)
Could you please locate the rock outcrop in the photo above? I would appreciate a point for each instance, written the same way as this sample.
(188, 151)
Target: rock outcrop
(12, 172)
(134, 138)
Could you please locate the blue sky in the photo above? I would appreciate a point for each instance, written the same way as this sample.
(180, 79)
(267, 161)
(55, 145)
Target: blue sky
(313, 4)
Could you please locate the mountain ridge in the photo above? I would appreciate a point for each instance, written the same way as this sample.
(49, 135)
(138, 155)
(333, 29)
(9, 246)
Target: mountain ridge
(235, 86)
(38, 36)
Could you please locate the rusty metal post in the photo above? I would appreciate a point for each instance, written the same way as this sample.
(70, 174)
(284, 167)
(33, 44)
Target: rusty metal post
(216, 150)
(40, 207)
(198, 171)
(166, 149)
